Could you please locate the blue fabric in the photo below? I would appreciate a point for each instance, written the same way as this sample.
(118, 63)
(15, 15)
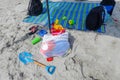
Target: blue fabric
(109, 8)
(72, 10)
(60, 49)
(55, 45)
(107, 16)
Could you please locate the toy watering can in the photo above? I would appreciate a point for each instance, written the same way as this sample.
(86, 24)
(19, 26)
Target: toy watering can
(26, 57)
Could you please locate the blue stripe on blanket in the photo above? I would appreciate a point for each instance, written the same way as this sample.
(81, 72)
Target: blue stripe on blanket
(72, 10)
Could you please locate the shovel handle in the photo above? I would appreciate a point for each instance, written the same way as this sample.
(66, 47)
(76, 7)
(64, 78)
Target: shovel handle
(39, 64)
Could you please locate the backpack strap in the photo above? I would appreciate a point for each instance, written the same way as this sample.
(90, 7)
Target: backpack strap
(103, 15)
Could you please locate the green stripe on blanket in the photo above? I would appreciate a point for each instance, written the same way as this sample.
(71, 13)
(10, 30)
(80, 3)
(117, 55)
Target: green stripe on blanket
(72, 10)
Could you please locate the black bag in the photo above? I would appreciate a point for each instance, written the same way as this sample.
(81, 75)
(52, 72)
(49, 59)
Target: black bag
(35, 8)
(95, 18)
(108, 3)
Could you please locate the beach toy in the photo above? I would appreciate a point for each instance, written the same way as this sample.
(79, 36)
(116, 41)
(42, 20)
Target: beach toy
(56, 21)
(36, 40)
(33, 30)
(50, 59)
(71, 22)
(26, 57)
(42, 32)
(57, 29)
(64, 18)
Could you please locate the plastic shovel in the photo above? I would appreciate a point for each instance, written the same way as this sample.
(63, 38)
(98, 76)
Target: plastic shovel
(26, 57)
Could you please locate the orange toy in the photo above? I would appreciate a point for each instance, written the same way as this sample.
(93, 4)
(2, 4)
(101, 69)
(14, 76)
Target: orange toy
(57, 29)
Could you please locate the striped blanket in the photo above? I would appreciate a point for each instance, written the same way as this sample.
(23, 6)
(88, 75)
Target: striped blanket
(71, 10)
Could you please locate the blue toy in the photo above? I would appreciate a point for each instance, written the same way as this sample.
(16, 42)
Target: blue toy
(26, 57)
(42, 32)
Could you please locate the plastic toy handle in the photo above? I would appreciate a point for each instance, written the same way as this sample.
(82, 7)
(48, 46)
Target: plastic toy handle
(50, 69)
(39, 64)
(36, 40)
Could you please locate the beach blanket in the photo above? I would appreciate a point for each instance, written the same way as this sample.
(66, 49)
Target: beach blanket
(70, 10)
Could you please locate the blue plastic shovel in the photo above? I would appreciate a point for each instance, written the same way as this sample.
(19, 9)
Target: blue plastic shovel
(26, 57)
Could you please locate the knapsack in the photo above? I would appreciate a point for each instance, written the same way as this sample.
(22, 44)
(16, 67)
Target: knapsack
(35, 8)
(95, 18)
(108, 4)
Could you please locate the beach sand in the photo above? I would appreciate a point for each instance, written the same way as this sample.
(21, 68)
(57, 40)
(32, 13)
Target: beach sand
(94, 56)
